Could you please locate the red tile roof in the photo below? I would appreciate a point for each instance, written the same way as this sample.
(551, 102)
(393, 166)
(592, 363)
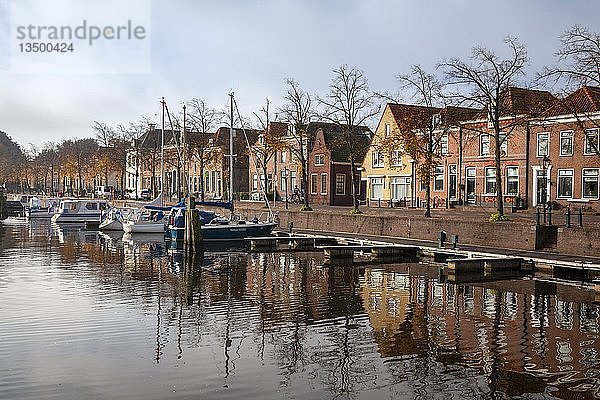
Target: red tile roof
(584, 100)
(517, 100)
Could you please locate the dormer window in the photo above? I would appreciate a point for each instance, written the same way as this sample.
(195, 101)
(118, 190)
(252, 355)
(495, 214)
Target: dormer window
(378, 161)
(436, 120)
(319, 159)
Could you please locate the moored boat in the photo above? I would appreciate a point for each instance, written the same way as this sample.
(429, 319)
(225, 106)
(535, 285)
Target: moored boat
(145, 221)
(114, 218)
(80, 211)
(41, 209)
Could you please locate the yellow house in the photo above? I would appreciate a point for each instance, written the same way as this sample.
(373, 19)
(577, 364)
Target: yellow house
(388, 173)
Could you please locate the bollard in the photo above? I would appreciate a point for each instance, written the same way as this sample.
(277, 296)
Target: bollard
(537, 216)
(290, 227)
(454, 241)
(568, 218)
(580, 218)
(379, 202)
(549, 216)
(441, 239)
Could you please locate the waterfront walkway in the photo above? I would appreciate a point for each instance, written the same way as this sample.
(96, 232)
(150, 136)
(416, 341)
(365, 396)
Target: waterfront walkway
(519, 222)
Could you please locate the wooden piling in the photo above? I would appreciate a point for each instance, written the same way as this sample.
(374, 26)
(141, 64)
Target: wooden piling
(192, 237)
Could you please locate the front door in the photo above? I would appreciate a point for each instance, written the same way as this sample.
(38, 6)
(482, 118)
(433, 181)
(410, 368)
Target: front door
(452, 194)
(470, 185)
(541, 185)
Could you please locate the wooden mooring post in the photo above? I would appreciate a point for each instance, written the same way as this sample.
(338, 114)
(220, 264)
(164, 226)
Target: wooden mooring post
(192, 237)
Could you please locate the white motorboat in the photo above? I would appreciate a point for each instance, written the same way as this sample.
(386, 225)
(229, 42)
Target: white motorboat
(80, 211)
(114, 218)
(145, 221)
(41, 209)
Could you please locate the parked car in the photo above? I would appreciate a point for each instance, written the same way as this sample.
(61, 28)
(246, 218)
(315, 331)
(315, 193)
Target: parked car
(145, 194)
(103, 192)
(14, 208)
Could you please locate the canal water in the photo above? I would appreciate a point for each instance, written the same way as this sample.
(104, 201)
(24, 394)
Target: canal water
(90, 316)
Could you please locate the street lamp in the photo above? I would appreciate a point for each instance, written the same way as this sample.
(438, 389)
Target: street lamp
(544, 163)
(285, 176)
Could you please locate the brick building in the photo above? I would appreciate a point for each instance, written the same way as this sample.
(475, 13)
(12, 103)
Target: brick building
(329, 168)
(565, 161)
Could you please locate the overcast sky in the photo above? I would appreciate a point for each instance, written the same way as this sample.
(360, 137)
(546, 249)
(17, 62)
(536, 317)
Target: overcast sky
(208, 48)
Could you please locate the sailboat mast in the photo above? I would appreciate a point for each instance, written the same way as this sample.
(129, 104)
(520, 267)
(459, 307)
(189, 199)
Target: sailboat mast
(231, 147)
(162, 151)
(185, 164)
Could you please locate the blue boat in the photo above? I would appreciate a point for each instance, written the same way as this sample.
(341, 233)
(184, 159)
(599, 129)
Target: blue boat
(216, 227)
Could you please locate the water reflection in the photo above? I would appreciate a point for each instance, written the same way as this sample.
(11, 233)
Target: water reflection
(226, 323)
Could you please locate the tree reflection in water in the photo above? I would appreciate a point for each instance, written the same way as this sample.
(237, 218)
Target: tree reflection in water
(288, 324)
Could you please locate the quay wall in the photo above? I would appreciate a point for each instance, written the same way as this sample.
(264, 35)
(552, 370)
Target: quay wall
(514, 234)
(579, 241)
(498, 235)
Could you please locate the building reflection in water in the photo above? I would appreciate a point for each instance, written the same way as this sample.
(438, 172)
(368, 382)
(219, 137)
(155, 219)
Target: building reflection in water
(391, 329)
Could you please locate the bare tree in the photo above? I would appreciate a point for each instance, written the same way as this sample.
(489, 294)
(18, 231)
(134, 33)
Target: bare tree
(297, 112)
(267, 144)
(349, 105)
(420, 133)
(202, 120)
(131, 135)
(484, 82)
(578, 59)
(578, 65)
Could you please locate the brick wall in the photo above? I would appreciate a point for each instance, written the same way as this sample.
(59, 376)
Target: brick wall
(499, 235)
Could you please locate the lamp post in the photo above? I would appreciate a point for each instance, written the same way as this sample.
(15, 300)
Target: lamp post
(285, 176)
(544, 163)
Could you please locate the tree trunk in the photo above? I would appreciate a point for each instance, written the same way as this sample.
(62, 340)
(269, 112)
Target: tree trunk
(201, 181)
(429, 167)
(499, 197)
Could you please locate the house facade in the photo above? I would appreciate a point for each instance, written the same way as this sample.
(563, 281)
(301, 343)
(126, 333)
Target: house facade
(466, 169)
(329, 168)
(388, 174)
(564, 152)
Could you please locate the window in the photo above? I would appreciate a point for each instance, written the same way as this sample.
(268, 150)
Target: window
(340, 184)
(377, 159)
(566, 143)
(490, 180)
(484, 145)
(91, 206)
(376, 188)
(319, 159)
(400, 187)
(254, 182)
(590, 183)
(323, 183)
(387, 130)
(283, 157)
(438, 178)
(542, 144)
(512, 181)
(283, 183)
(396, 158)
(442, 145)
(565, 183)
(591, 141)
(293, 183)
(313, 184)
